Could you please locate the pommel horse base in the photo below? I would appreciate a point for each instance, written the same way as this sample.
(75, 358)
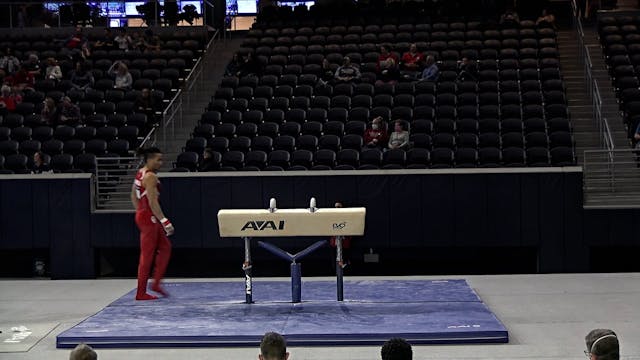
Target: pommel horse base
(312, 221)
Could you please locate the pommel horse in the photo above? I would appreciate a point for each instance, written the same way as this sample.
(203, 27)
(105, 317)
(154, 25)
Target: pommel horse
(274, 222)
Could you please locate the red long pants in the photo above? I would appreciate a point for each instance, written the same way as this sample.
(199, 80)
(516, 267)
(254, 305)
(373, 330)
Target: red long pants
(153, 243)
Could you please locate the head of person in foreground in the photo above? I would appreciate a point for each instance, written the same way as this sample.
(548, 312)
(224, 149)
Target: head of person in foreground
(602, 344)
(273, 347)
(396, 349)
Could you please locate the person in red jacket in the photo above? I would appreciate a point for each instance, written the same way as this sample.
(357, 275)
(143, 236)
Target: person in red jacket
(376, 135)
(346, 243)
(412, 61)
(387, 65)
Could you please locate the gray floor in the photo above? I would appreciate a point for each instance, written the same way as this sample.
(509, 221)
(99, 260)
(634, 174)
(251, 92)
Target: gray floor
(547, 317)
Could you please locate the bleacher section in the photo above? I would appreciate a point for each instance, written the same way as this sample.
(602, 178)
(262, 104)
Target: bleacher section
(284, 118)
(620, 39)
(110, 124)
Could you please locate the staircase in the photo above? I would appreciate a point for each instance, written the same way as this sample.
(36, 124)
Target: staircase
(173, 138)
(585, 128)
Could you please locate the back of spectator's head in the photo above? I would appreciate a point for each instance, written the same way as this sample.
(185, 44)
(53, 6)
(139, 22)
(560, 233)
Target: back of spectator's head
(602, 344)
(273, 347)
(83, 352)
(5, 90)
(396, 349)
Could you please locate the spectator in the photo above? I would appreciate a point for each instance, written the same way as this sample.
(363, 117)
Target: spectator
(137, 42)
(399, 138)
(9, 63)
(39, 165)
(431, 70)
(387, 65)
(467, 70)
(8, 99)
(510, 18)
(376, 135)
(346, 243)
(76, 40)
(122, 77)
(53, 71)
(33, 65)
(251, 66)
(546, 19)
(273, 347)
(50, 113)
(233, 67)
(145, 103)
(396, 349)
(348, 72)
(81, 79)
(151, 42)
(208, 163)
(602, 344)
(106, 43)
(411, 61)
(123, 40)
(327, 72)
(69, 112)
(23, 79)
(83, 352)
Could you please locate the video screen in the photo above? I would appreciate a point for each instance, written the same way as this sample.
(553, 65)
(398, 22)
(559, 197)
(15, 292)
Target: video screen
(247, 7)
(130, 8)
(308, 4)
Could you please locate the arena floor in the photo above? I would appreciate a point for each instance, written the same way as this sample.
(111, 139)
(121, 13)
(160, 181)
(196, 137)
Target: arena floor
(547, 317)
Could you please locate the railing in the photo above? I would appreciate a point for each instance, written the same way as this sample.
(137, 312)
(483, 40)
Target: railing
(606, 139)
(611, 178)
(112, 185)
(172, 116)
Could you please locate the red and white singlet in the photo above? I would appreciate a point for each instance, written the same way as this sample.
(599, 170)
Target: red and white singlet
(141, 192)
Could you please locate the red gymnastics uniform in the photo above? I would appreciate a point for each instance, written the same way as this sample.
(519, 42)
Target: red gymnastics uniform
(153, 240)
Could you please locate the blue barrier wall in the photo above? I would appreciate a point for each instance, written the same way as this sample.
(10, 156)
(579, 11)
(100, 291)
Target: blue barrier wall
(418, 210)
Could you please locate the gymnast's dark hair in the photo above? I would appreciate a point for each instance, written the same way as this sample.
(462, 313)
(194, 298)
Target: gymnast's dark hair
(273, 346)
(396, 349)
(147, 152)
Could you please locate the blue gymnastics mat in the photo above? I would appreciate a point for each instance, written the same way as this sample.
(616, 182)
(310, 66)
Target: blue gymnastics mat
(213, 314)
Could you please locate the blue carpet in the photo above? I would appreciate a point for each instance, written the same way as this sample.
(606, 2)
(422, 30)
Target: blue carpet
(214, 314)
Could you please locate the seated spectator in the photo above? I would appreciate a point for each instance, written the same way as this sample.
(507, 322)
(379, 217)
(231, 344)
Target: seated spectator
(53, 71)
(83, 352)
(233, 67)
(376, 135)
(106, 42)
(467, 70)
(50, 113)
(137, 42)
(208, 163)
(273, 347)
(81, 78)
(387, 65)
(251, 66)
(33, 65)
(123, 40)
(546, 19)
(510, 18)
(8, 99)
(412, 61)
(348, 72)
(431, 71)
(69, 112)
(399, 138)
(76, 40)
(327, 72)
(9, 63)
(23, 79)
(145, 103)
(151, 42)
(602, 344)
(39, 165)
(396, 349)
(122, 77)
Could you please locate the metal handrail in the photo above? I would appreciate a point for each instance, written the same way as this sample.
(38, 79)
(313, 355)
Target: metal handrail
(606, 138)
